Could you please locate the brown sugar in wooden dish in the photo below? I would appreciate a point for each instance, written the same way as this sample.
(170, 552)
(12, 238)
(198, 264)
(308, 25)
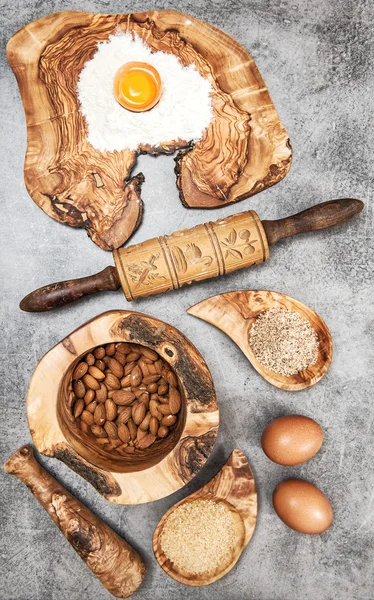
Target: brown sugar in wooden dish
(76, 184)
(228, 509)
(181, 447)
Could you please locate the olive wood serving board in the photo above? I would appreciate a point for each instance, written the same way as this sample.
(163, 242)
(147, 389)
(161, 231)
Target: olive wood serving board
(235, 312)
(244, 150)
(114, 562)
(163, 468)
(234, 484)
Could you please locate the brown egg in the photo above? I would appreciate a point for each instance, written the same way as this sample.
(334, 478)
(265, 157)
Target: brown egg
(292, 440)
(302, 506)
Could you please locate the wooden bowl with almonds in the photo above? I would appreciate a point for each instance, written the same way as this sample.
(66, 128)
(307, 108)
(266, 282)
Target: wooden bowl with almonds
(128, 403)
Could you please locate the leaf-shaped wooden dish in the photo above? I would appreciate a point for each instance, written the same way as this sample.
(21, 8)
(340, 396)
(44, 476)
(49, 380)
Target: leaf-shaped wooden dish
(234, 485)
(235, 312)
(244, 150)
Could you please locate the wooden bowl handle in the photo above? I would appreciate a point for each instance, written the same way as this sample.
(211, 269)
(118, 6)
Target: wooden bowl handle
(321, 216)
(62, 293)
(118, 566)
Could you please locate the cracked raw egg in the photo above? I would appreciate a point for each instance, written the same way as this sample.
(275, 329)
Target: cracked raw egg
(137, 86)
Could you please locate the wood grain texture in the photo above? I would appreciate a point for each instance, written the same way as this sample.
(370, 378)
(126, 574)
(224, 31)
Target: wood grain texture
(245, 148)
(234, 484)
(165, 467)
(114, 562)
(235, 312)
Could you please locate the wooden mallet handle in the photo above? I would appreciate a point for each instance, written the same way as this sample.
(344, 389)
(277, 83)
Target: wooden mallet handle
(208, 250)
(118, 566)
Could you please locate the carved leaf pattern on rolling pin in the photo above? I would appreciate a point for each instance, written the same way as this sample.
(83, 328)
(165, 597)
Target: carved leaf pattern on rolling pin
(234, 241)
(192, 254)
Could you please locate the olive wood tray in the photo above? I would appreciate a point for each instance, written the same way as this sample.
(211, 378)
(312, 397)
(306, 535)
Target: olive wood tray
(235, 312)
(234, 484)
(244, 150)
(133, 479)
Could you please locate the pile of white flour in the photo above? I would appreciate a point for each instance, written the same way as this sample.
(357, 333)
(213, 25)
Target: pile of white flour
(183, 112)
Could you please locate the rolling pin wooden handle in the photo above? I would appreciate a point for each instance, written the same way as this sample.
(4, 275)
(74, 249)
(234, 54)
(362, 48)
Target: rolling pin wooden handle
(58, 294)
(114, 562)
(321, 216)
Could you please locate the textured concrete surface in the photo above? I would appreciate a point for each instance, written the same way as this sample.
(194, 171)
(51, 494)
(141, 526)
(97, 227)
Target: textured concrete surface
(316, 57)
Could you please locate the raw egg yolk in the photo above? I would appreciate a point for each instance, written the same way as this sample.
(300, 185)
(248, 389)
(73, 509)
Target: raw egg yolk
(137, 86)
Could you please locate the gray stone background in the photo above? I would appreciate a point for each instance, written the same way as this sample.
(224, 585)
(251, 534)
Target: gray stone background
(316, 58)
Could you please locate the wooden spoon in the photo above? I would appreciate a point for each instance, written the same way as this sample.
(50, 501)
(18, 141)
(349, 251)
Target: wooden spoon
(235, 312)
(234, 485)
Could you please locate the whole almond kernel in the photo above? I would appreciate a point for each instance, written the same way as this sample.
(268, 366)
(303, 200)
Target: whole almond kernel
(174, 401)
(139, 436)
(78, 407)
(128, 368)
(147, 441)
(102, 393)
(123, 397)
(115, 367)
(132, 428)
(84, 427)
(80, 370)
(133, 356)
(152, 370)
(79, 388)
(163, 389)
(110, 410)
(169, 420)
(171, 379)
(91, 382)
(126, 381)
(96, 373)
(151, 379)
(152, 388)
(164, 409)
(89, 397)
(121, 358)
(163, 431)
(145, 399)
(100, 364)
(90, 359)
(87, 417)
(153, 407)
(98, 431)
(99, 414)
(143, 366)
(138, 391)
(158, 366)
(99, 352)
(124, 433)
(151, 354)
(138, 413)
(124, 414)
(153, 425)
(123, 347)
(110, 349)
(144, 425)
(136, 376)
(111, 381)
(91, 407)
(111, 429)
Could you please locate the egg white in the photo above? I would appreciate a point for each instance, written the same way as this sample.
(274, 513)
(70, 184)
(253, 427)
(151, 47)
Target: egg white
(183, 112)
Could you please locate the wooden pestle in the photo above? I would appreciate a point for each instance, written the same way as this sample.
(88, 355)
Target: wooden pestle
(208, 250)
(114, 562)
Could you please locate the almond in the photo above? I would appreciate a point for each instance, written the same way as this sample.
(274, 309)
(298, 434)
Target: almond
(150, 378)
(132, 428)
(110, 349)
(115, 367)
(99, 352)
(78, 407)
(174, 401)
(139, 391)
(111, 381)
(128, 368)
(123, 397)
(147, 441)
(90, 359)
(158, 366)
(99, 414)
(133, 356)
(144, 367)
(168, 420)
(123, 347)
(87, 417)
(126, 381)
(84, 427)
(153, 407)
(153, 425)
(163, 431)
(140, 435)
(91, 382)
(124, 433)
(121, 358)
(136, 376)
(98, 431)
(144, 425)
(151, 354)
(138, 413)
(152, 388)
(102, 393)
(110, 410)
(164, 409)
(79, 388)
(111, 429)
(129, 450)
(96, 373)
(124, 414)
(89, 396)
(163, 389)
(80, 370)
(91, 407)
(100, 364)
(171, 379)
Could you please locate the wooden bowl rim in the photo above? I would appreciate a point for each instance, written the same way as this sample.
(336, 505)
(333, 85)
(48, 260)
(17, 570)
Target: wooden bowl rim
(69, 347)
(303, 379)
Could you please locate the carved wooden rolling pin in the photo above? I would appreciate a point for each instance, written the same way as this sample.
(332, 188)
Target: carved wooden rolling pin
(208, 250)
(118, 566)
